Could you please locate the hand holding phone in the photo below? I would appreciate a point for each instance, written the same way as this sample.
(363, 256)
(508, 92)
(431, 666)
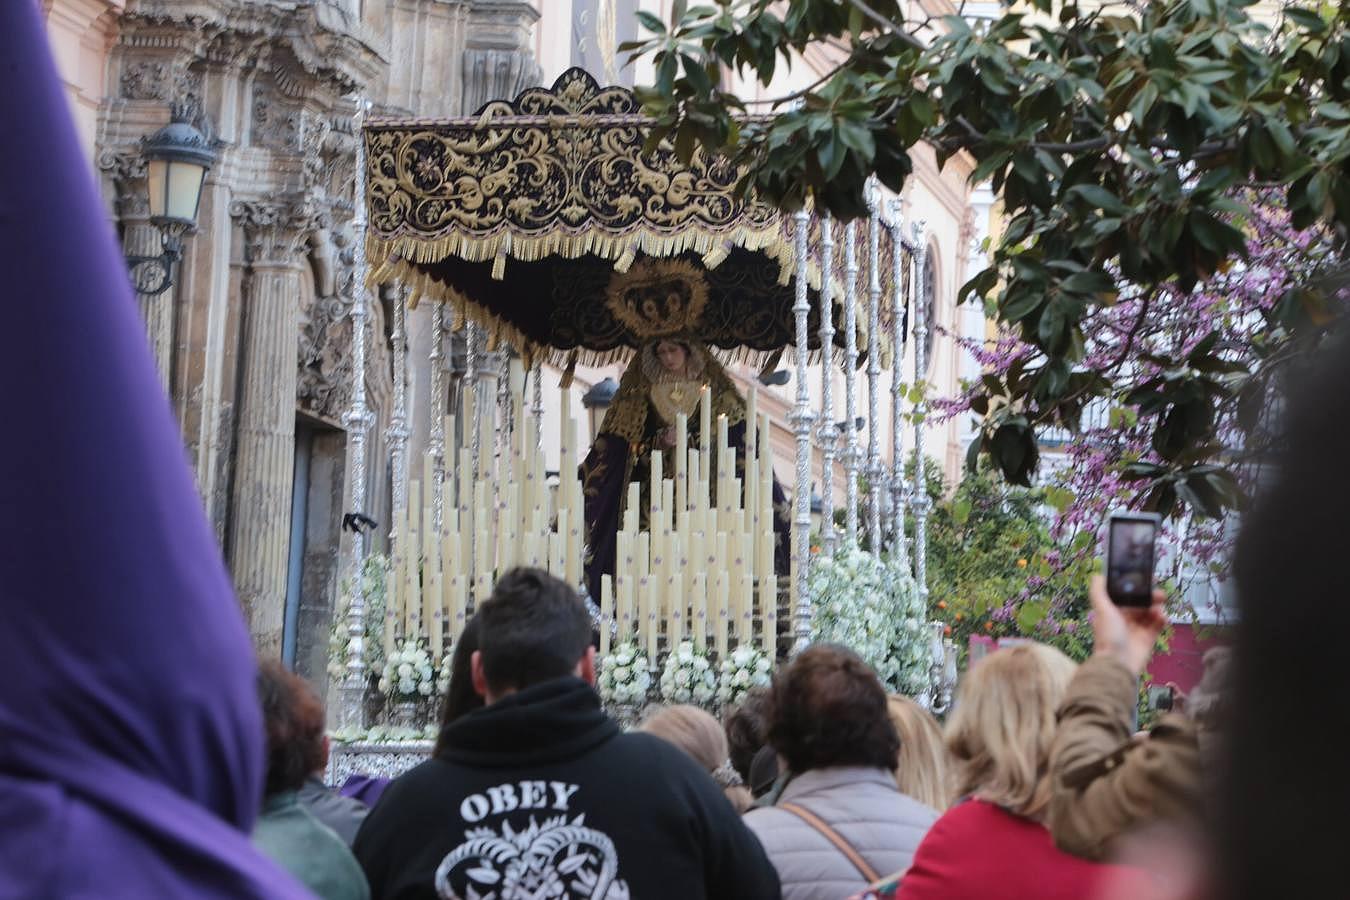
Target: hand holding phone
(1131, 553)
(1127, 633)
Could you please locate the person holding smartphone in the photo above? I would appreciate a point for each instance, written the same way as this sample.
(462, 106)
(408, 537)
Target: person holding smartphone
(1106, 781)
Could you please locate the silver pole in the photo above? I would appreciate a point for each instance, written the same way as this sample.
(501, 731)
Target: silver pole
(898, 538)
(825, 428)
(851, 381)
(397, 432)
(920, 487)
(357, 420)
(471, 382)
(436, 443)
(537, 408)
(801, 425)
(875, 472)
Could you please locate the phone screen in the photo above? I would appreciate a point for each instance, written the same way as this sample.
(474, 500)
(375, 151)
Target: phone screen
(1129, 560)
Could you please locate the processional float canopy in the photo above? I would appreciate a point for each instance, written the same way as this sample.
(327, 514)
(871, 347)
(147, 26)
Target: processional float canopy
(542, 220)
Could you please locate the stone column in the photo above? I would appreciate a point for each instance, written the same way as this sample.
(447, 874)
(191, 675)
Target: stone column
(264, 460)
(140, 238)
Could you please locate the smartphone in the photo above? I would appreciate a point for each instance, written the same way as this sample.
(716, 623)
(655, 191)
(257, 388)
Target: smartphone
(1131, 552)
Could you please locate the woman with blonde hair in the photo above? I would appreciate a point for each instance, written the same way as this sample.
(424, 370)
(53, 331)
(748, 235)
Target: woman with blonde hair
(922, 769)
(701, 736)
(994, 842)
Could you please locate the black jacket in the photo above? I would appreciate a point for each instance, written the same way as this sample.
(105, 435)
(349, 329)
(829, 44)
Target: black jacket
(543, 788)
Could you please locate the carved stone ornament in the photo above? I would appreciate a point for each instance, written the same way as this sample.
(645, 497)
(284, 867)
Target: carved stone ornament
(274, 231)
(127, 170)
(323, 384)
(164, 80)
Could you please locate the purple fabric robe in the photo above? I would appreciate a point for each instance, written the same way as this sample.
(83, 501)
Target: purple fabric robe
(131, 742)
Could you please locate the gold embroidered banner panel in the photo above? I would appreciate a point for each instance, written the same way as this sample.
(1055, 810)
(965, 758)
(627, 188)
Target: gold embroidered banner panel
(543, 220)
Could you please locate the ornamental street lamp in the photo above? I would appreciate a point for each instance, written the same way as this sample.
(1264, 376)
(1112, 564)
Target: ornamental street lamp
(177, 159)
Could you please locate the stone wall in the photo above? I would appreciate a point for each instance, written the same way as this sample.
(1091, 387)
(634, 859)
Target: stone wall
(255, 333)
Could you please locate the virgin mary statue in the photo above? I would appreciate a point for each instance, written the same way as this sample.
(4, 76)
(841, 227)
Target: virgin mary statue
(666, 378)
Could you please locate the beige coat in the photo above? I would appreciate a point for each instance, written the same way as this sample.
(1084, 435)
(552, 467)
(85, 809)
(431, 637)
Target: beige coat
(1107, 783)
(864, 806)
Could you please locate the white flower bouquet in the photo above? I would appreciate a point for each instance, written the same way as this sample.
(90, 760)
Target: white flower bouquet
(744, 668)
(688, 676)
(374, 577)
(408, 673)
(872, 606)
(443, 673)
(625, 676)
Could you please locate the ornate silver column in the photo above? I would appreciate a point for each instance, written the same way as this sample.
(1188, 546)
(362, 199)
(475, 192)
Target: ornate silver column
(920, 488)
(537, 406)
(472, 380)
(397, 432)
(357, 420)
(826, 429)
(801, 425)
(898, 539)
(875, 471)
(851, 381)
(436, 443)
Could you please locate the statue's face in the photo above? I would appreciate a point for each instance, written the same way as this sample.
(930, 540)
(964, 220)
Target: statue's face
(672, 355)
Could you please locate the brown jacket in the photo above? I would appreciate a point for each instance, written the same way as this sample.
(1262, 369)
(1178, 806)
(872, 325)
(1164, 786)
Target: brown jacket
(1106, 783)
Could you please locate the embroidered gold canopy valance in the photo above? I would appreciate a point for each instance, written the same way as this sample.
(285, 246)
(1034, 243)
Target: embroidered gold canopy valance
(543, 220)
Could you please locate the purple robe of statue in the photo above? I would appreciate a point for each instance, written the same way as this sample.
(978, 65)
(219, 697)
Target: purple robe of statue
(131, 742)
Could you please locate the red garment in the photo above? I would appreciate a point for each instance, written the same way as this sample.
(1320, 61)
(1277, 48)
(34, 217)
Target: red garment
(978, 851)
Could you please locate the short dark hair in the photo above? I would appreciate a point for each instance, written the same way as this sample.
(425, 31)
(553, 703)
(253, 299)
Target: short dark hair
(828, 709)
(747, 730)
(532, 629)
(294, 720)
(460, 698)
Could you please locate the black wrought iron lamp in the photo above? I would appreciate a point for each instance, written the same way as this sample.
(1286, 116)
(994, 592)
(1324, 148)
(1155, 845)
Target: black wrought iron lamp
(177, 157)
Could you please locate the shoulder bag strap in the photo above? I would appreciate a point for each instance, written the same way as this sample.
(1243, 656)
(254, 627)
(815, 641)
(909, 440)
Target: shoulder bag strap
(869, 874)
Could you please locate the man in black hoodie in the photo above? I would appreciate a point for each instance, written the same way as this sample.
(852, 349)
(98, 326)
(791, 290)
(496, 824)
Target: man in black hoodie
(539, 794)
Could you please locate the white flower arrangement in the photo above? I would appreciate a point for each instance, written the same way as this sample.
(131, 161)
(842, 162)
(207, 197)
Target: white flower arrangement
(374, 577)
(408, 673)
(625, 676)
(872, 606)
(744, 668)
(688, 676)
(443, 672)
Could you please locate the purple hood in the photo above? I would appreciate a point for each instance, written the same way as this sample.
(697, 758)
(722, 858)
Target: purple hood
(131, 742)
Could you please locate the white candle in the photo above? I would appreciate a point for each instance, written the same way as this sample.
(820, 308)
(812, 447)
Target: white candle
(700, 606)
(723, 611)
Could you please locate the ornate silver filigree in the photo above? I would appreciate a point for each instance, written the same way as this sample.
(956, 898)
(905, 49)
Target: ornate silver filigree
(801, 424)
(826, 429)
(920, 488)
(875, 470)
(375, 760)
(899, 541)
(357, 421)
(851, 381)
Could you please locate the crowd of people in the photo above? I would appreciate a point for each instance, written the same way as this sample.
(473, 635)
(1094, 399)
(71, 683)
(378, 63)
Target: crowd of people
(819, 787)
(144, 754)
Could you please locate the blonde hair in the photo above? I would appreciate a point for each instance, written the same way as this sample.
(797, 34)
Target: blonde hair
(1002, 726)
(922, 769)
(701, 736)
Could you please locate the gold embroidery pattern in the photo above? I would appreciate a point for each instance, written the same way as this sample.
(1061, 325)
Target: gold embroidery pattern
(562, 173)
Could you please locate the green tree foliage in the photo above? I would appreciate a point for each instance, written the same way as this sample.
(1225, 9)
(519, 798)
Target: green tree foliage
(1121, 138)
(995, 570)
